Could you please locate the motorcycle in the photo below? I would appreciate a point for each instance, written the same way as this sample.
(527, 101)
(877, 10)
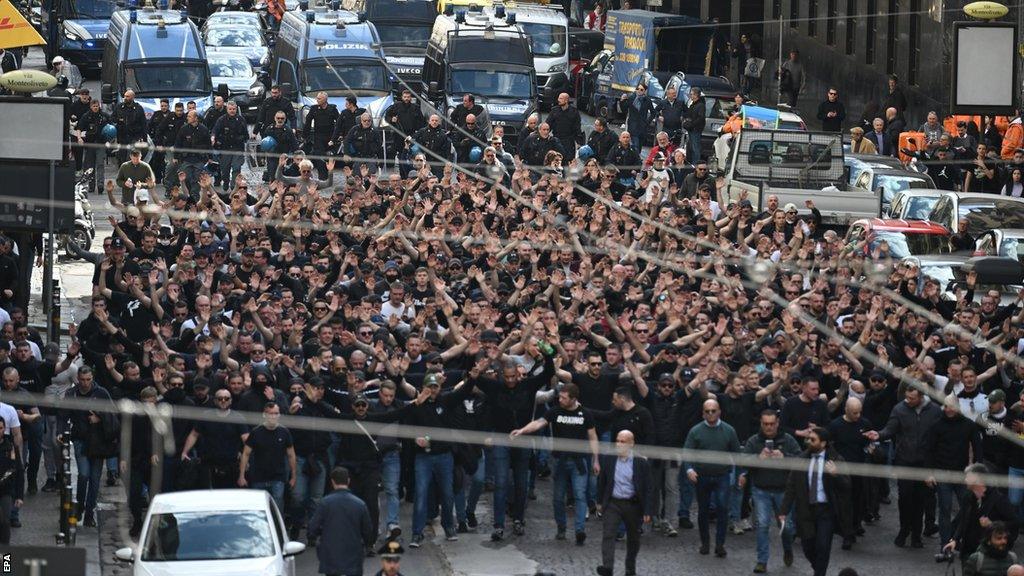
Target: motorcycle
(84, 229)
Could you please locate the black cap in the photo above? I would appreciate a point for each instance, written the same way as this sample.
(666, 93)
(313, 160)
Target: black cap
(878, 374)
(489, 336)
(360, 399)
(117, 242)
(432, 357)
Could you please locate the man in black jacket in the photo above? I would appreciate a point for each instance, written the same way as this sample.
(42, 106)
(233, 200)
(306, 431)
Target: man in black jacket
(130, 120)
(672, 111)
(405, 117)
(459, 113)
(166, 134)
(94, 155)
(831, 112)
(949, 446)
(90, 431)
(433, 138)
(230, 134)
(538, 145)
(626, 495)
(693, 123)
(311, 448)
(566, 124)
(818, 495)
(601, 140)
(364, 142)
(979, 508)
(319, 127)
(269, 108)
(466, 138)
(195, 137)
(513, 402)
(157, 161)
(348, 118)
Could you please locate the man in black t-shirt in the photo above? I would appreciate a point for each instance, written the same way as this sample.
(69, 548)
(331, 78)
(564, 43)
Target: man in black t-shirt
(569, 421)
(267, 446)
(218, 444)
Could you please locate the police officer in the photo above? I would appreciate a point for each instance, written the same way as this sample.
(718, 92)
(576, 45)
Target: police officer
(195, 138)
(404, 116)
(230, 134)
(538, 144)
(390, 559)
(157, 160)
(347, 119)
(433, 138)
(79, 106)
(470, 135)
(319, 127)
(566, 124)
(130, 120)
(286, 144)
(269, 109)
(364, 141)
(167, 134)
(214, 113)
(90, 126)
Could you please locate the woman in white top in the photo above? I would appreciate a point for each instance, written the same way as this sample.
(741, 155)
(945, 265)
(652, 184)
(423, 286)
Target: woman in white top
(1015, 187)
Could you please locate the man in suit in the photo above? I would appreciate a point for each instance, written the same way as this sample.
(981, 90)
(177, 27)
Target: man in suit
(818, 494)
(879, 138)
(342, 525)
(626, 492)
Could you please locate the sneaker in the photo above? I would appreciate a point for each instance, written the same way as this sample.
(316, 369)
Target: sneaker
(89, 520)
(746, 525)
(685, 524)
(620, 536)
(705, 549)
(720, 551)
(394, 531)
(463, 528)
(916, 543)
(787, 558)
(417, 541)
(603, 571)
(471, 520)
(32, 488)
(760, 568)
(669, 531)
(901, 540)
(581, 538)
(451, 536)
(736, 529)
(498, 535)
(518, 528)
(560, 534)
(50, 485)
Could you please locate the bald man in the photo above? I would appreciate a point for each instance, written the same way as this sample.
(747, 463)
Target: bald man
(712, 479)
(626, 496)
(1015, 570)
(848, 439)
(130, 120)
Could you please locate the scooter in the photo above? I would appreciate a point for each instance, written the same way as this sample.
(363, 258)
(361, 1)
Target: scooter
(84, 229)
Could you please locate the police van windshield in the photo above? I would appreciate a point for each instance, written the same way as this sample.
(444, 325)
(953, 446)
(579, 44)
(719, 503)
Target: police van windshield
(167, 78)
(95, 9)
(496, 84)
(547, 40)
(342, 80)
(399, 36)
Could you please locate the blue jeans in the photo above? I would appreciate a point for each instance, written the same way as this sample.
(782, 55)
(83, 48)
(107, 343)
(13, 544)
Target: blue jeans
(439, 470)
(390, 474)
(276, 489)
(572, 469)
(518, 459)
(686, 493)
(945, 493)
(309, 489)
(767, 507)
(1016, 494)
(89, 471)
(468, 494)
(735, 496)
(230, 166)
(712, 489)
(636, 140)
(693, 146)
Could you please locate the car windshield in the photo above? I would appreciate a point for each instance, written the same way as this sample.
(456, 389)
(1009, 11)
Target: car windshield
(985, 215)
(547, 40)
(492, 83)
(342, 79)
(234, 37)
(205, 535)
(167, 78)
(899, 183)
(230, 67)
(397, 36)
(897, 241)
(233, 19)
(941, 272)
(95, 9)
(919, 207)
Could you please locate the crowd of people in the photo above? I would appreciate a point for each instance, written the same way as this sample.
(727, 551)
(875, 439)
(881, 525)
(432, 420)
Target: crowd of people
(553, 283)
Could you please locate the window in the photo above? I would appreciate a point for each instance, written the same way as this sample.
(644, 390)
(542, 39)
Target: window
(851, 27)
(830, 24)
(776, 9)
(892, 36)
(812, 18)
(872, 28)
(195, 536)
(794, 13)
(915, 42)
(791, 155)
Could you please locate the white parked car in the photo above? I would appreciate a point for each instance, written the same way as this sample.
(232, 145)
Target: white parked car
(222, 532)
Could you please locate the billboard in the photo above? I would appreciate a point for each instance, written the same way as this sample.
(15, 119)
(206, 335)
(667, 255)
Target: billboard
(984, 68)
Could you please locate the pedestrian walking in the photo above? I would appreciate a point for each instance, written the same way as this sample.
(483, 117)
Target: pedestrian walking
(626, 493)
(831, 112)
(267, 447)
(11, 482)
(817, 496)
(712, 479)
(341, 525)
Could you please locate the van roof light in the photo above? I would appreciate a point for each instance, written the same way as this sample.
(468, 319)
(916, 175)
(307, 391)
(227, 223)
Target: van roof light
(511, 18)
(499, 10)
(460, 16)
(304, 5)
(133, 16)
(310, 16)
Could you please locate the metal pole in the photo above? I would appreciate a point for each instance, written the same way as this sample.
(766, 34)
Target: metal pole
(49, 249)
(781, 21)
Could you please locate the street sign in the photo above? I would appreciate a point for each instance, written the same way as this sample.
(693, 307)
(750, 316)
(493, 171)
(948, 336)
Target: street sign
(15, 31)
(48, 561)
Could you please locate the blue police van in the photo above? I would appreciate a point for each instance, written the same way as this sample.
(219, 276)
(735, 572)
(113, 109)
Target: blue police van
(156, 53)
(79, 31)
(333, 51)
